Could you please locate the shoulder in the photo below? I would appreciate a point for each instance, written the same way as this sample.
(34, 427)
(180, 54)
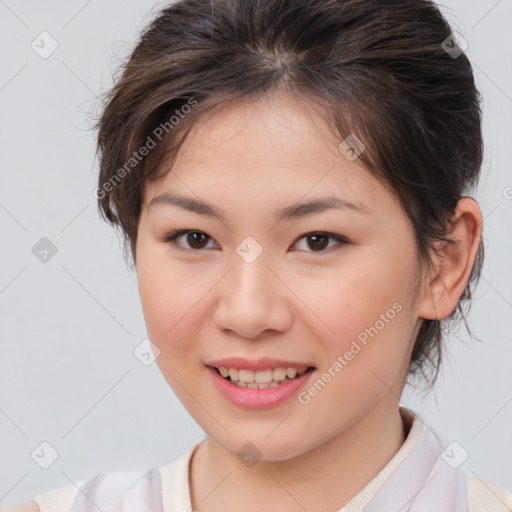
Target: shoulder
(487, 496)
(55, 500)
(26, 506)
(109, 491)
(59, 499)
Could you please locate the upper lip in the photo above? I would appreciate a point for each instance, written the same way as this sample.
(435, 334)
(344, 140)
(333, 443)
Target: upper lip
(263, 363)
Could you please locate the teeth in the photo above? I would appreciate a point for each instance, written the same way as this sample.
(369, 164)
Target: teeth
(261, 379)
(246, 376)
(291, 372)
(279, 374)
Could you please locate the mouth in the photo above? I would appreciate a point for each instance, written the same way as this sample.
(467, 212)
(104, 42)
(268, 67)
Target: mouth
(261, 379)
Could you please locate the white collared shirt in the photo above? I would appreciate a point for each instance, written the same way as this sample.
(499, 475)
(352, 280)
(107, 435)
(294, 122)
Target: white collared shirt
(174, 493)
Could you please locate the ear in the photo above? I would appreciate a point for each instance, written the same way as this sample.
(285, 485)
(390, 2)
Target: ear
(443, 289)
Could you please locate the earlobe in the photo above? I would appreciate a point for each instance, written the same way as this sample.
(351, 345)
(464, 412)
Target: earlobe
(455, 262)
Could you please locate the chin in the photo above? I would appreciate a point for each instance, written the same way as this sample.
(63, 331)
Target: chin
(280, 448)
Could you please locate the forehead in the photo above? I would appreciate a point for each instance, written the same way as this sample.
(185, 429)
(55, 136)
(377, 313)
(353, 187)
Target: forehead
(236, 131)
(275, 147)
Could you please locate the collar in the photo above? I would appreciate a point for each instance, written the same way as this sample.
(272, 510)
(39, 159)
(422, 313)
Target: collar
(416, 478)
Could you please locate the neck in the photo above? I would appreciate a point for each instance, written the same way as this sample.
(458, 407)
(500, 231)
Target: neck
(342, 467)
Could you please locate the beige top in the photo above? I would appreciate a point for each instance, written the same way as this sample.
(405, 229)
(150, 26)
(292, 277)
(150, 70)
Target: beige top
(483, 495)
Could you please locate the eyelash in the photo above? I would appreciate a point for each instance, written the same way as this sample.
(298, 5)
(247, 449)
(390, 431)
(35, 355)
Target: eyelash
(171, 239)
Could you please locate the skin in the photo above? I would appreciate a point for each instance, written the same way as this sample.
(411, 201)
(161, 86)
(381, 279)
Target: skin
(26, 506)
(294, 302)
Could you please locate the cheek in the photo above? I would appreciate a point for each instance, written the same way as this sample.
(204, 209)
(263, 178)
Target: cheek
(167, 307)
(365, 312)
(173, 297)
(171, 324)
(369, 351)
(162, 290)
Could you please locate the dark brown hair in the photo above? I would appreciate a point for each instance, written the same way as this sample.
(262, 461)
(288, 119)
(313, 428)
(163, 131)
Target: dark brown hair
(379, 69)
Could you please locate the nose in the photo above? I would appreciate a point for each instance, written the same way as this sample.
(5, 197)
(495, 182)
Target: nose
(253, 301)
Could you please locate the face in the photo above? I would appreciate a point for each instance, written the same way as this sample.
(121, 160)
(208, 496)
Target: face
(328, 288)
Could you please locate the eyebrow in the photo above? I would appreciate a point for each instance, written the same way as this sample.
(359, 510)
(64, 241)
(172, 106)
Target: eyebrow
(294, 211)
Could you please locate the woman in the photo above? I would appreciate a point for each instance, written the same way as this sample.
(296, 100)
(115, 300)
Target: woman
(292, 178)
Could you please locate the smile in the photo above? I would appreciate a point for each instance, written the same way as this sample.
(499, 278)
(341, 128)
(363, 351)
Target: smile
(243, 388)
(260, 379)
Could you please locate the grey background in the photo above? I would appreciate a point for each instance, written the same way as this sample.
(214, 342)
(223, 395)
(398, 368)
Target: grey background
(69, 326)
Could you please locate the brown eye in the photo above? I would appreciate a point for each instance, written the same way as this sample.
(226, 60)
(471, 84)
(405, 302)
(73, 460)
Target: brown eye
(318, 241)
(196, 239)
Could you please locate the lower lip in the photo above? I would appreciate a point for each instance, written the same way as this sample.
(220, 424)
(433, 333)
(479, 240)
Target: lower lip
(250, 398)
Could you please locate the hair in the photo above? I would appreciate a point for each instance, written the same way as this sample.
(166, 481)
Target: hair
(377, 68)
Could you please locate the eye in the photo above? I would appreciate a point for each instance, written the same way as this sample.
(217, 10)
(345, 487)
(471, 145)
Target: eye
(317, 240)
(197, 240)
